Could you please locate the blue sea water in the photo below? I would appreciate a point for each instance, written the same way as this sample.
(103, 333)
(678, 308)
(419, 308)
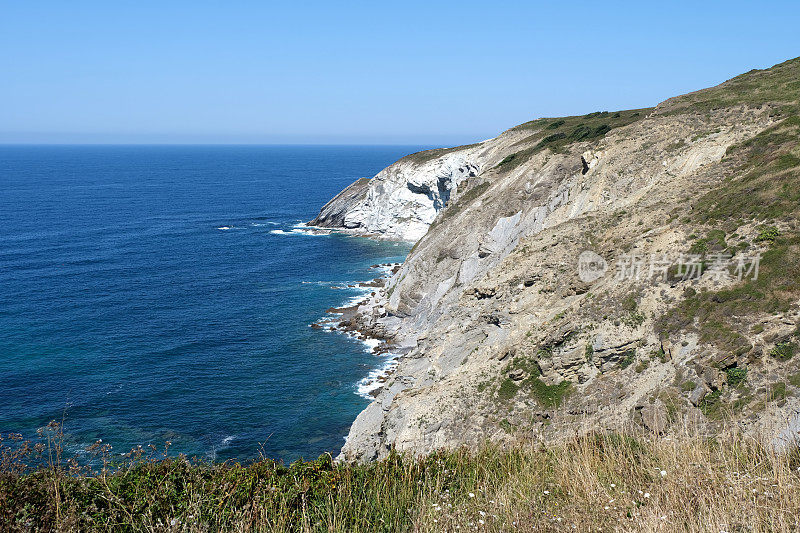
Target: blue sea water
(128, 310)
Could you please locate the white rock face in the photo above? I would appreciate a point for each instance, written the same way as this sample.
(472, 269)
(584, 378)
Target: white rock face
(404, 198)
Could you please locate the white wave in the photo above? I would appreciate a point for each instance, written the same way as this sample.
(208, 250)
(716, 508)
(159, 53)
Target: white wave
(375, 379)
(300, 231)
(371, 344)
(224, 228)
(359, 298)
(227, 440)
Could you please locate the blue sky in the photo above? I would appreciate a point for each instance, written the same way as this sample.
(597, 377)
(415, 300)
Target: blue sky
(350, 72)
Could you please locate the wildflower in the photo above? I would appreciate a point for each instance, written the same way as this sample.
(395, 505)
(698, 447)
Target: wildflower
(481, 522)
(547, 492)
(646, 494)
(663, 473)
(481, 513)
(471, 495)
(613, 485)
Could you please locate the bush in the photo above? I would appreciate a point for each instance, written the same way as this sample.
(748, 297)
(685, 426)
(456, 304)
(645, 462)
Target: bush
(736, 376)
(783, 351)
(768, 234)
(628, 358)
(508, 389)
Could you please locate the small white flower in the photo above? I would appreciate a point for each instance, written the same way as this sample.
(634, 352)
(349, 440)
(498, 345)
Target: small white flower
(481, 513)
(613, 485)
(481, 522)
(646, 494)
(547, 492)
(471, 495)
(607, 508)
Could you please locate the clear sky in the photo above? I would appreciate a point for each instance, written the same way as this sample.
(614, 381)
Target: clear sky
(179, 71)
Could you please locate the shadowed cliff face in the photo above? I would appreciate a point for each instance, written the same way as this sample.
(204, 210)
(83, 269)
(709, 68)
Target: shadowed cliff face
(594, 271)
(334, 212)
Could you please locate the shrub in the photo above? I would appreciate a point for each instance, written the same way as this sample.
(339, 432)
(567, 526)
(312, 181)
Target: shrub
(768, 234)
(508, 389)
(628, 358)
(783, 351)
(736, 376)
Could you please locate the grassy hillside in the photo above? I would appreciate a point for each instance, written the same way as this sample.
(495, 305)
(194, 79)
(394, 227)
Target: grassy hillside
(596, 483)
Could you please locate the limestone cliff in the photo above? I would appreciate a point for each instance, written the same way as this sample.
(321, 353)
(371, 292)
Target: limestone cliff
(404, 199)
(592, 271)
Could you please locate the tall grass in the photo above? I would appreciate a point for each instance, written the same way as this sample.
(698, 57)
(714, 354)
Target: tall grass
(598, 482)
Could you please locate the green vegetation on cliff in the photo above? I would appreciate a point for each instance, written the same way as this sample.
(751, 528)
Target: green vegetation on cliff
(598, 482)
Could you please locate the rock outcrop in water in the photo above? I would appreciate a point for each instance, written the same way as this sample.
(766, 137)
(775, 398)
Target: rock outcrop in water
(592, 272)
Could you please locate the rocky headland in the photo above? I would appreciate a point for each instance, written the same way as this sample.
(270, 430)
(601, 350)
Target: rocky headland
(634, 269)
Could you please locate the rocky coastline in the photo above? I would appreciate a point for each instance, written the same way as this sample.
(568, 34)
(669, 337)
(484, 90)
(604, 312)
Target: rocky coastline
(360, 320)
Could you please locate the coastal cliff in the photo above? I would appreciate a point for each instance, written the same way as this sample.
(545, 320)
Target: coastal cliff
(403, 199)
(630, 269)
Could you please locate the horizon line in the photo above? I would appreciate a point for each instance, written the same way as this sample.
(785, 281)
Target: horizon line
(212, 144)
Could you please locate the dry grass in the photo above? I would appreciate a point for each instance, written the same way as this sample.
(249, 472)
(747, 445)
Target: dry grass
(609, 483)
(600, 482)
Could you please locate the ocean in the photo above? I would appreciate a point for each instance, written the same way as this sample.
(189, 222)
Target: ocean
(165, 293)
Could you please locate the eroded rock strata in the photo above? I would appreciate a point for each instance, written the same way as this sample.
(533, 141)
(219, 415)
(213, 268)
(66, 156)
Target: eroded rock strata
(504, 336)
